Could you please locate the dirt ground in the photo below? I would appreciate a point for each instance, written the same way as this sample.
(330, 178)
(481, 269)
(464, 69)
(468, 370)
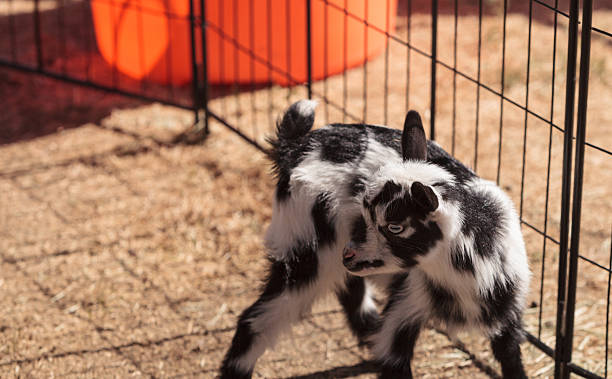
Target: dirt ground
(122, 257)
(124, 254)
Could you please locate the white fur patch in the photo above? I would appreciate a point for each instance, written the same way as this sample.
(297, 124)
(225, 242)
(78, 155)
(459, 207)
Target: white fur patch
(306, 107)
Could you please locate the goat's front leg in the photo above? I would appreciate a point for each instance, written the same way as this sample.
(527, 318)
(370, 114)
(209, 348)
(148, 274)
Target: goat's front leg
(398, 351)
(359, 307)
(393, 344)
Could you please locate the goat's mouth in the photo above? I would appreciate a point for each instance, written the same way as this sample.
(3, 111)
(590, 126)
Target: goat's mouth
(356, 266)
(348, 254)
(362, 265)
(350, 261)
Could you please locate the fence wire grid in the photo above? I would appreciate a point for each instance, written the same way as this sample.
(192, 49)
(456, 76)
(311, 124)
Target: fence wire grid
(505, 86)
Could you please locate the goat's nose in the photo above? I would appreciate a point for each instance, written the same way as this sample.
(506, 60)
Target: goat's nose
(349, 253)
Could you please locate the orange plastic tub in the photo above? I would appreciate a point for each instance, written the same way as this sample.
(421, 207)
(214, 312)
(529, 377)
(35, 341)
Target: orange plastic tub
(247, 40)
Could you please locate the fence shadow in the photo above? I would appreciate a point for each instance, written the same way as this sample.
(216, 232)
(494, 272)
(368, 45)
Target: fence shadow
(36, 105)
(361, 368)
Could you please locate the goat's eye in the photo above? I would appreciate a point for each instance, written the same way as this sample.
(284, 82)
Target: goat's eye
(395, 229)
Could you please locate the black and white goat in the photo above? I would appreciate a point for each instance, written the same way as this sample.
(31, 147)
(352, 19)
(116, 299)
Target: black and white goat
(356, 201)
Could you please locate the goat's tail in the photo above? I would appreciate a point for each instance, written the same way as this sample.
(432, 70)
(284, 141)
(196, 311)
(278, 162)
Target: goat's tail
(297, 120)
(295, 123)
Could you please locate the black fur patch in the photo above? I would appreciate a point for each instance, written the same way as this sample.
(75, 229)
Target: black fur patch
(288, 147)
(303, 266)
(417, 206)
(241, 343)
(362, 323)
(399, 209)
(323, 221)
(450, 192)
(277, 280)
(282, 187)
(507, 351)
(342, 143)
(423, 197)
(403, 344)
(483, 219)
(419, 243)
(358, 266)
(439, 157)
(461, 260)
(444, 305)
(286, 155)
(297, 270)
(388, 192)
(295, 122)
(394, 291)
(498, 304)
(359, 230)
(231, 372)
(402, 350)
(398, 370)
(386, 136)
(357, 185)
(244, 335)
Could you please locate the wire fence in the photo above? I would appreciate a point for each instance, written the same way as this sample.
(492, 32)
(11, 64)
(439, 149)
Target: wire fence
(495, 80)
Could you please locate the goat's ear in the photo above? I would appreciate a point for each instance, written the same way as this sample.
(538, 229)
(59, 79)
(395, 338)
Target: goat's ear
(414, 143)
(424, 197)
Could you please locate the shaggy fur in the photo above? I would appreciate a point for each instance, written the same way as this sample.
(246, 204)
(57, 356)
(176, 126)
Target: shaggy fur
(362, 201)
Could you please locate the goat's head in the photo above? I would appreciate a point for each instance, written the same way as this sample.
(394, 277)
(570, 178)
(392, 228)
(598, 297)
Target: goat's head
(399, 210)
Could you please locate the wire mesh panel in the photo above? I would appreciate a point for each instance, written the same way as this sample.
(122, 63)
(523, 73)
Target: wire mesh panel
(496, 83)
(518, 90)
(136, 48)
(586, 325)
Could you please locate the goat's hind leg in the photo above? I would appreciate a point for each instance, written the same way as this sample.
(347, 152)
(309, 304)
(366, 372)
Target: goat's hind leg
(287, 295)
(308, 268)
(507, 351)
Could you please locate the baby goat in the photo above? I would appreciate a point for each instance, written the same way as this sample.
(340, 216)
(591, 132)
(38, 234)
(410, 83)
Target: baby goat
(400, 211)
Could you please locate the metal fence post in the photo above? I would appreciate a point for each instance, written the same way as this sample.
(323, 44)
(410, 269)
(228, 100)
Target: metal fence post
(309, 46)
(195, 82)
(200, 88)
(570, 89)
(583, 90)
(37, 36)
(204, 90)
(434, 60)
